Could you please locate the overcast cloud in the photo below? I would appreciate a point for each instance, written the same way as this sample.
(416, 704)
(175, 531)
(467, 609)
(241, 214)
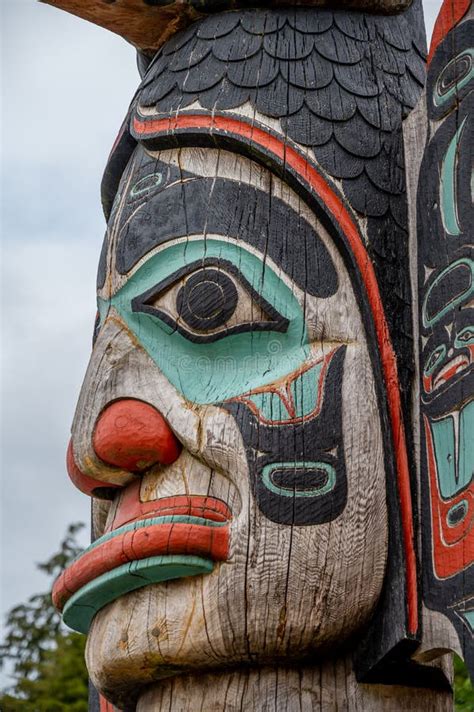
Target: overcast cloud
(66, 86)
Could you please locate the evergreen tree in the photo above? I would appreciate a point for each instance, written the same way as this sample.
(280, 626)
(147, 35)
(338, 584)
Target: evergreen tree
(463, 691)
(47, 660)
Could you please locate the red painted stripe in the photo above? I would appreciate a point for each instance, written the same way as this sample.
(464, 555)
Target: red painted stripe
(142, 543)
(106, 706)
(291, 157)
(452, 11)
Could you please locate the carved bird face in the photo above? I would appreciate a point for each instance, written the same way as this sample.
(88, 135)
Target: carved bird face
(230, 402)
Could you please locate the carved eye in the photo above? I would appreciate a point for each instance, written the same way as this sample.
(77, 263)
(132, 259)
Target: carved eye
(145, 185)
(451, 288)
(454, 76)
(465, 336)
(206, 301)
(434, 359)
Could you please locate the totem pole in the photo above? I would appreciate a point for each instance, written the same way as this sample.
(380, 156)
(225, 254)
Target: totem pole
(273, 525)
(439, 165)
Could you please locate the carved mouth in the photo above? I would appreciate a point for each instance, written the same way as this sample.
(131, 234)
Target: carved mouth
(147, 542)
(452, 368)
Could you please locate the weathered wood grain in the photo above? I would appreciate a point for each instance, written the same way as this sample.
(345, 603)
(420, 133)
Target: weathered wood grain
(254, 295)
(329, 687)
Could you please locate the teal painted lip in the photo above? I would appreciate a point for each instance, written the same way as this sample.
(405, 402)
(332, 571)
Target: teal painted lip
(84, 604)
(123, 573)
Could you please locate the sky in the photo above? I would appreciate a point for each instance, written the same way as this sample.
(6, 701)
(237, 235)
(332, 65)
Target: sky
(65, 88)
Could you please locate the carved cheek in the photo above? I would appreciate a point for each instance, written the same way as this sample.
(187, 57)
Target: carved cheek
(293, 434)
(119, 370)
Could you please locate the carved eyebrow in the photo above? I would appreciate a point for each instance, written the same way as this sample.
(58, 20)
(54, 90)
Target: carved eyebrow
(237, 210)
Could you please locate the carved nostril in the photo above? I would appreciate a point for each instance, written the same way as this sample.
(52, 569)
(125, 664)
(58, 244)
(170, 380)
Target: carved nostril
(85, 483)
(134, 436)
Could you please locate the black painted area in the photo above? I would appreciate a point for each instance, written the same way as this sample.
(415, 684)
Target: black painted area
(339, 81)
(444, 271)
(297, 479)
(96, 330)
(184, 204)
(207, 300)
(146, 303)
(119, 157)
(94, 700)
(452, 64)
(319, 439)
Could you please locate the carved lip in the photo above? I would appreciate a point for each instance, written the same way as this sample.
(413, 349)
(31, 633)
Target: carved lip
(185, 527)
(130, 508)
(452, 368)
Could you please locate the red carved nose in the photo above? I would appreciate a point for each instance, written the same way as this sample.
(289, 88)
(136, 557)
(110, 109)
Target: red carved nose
(134, 436)
(85, 483)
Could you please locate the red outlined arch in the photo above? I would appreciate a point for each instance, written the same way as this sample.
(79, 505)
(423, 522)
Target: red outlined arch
(292, 158)
(452, 11)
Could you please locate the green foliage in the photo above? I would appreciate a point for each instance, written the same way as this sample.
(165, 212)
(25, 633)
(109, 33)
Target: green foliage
(60, 682)
(463, 692)
(47, 661)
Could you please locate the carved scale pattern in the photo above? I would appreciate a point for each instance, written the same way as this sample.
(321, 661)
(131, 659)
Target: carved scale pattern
(339, 81)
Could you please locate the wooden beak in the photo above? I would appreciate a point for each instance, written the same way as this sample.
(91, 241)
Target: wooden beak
(147, 24)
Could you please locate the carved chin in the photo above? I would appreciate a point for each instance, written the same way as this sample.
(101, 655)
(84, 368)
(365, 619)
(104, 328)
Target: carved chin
(210, 622)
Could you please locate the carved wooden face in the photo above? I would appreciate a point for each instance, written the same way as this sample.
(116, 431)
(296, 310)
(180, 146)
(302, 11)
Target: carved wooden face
(226, 308)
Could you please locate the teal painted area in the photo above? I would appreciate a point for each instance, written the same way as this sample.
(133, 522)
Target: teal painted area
(284, 492)
(233, 364)
(455, 301)
(466, 443)
(465, 337)
(439, 98)
(434, 359)
(103, 307)
(270, 406)
(454, 451)
(305, 390)
(143, 523)
(445, 453)
(84, 604)
(447, 188)
(469, 618)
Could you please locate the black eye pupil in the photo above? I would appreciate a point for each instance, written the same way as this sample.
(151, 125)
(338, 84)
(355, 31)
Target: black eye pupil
(207, 300)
